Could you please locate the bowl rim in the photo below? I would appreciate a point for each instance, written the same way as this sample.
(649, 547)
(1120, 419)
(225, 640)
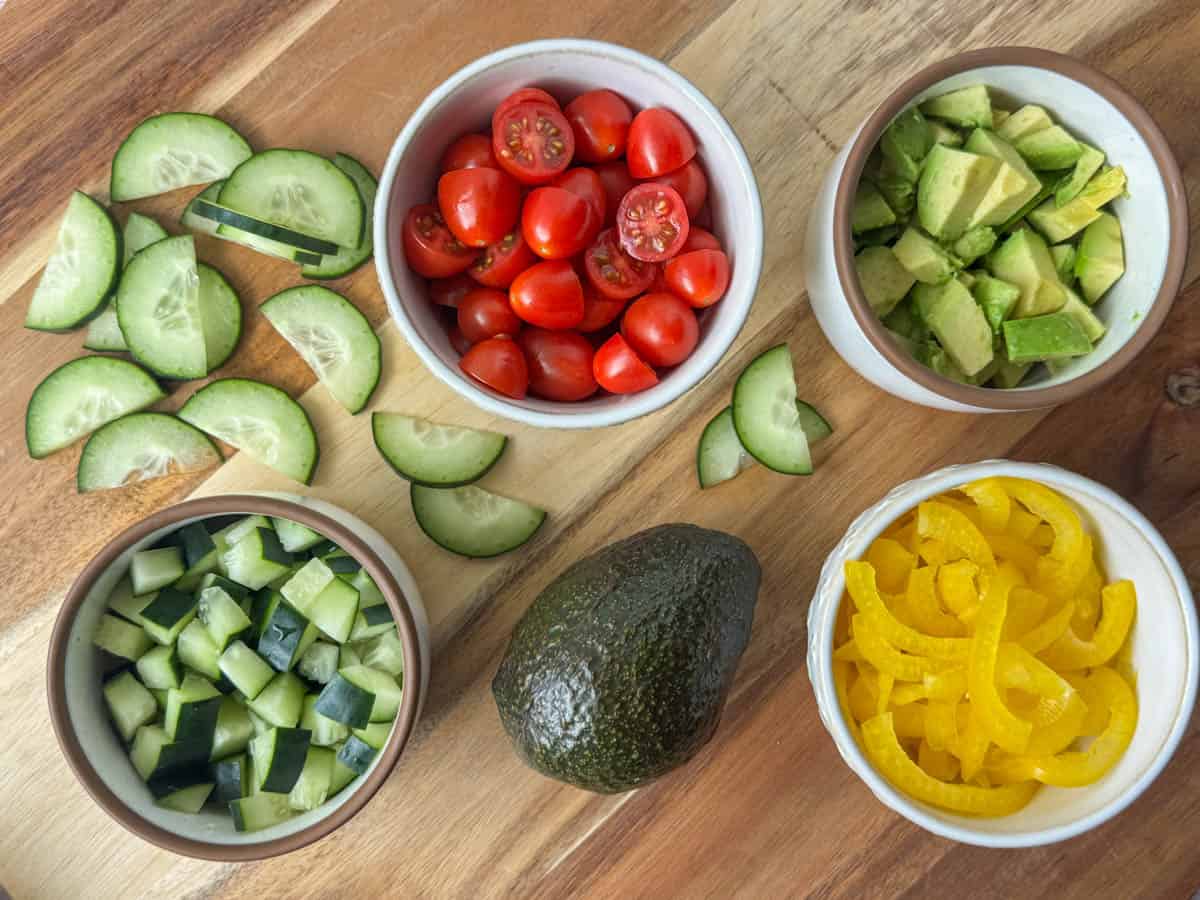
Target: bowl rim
(1177, 211)
(207, 507)
(750, 245)
(869, 524)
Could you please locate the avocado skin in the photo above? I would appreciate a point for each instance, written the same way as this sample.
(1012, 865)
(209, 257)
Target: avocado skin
(618, 671)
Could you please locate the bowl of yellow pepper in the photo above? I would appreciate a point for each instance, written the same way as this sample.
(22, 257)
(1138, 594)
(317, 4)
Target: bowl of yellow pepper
(1006, 653)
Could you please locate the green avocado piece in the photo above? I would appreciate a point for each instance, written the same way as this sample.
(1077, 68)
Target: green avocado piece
(952, 185)
(1050, 148)
(897, 188)
(1016, 220)
(1082, 313)
(1064, 262)
(924, 257)
(907, 344)
(877, 236)
(870, 209)
(906, 322)
(618, 671)
(1010, 374)
(1025, 121)
(966, 279)
(1024, 260)
(1015, 184)
(1059, 223)
(944, 134)
(1000, 116)
(966, 107)
(957, 322)
(996, 298)
(906, 141)
(974, 244)
(1088, 164)
(1100, 260)
(883, 279)
(1040, 338)
(935, 357)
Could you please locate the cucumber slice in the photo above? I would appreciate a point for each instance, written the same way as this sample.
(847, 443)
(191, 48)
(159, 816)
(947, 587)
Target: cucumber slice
(370, 622)
(346, 260)
(342, 563)
(120, 638)
(342, 774)
(190, 799)
(130, 705)
(256, 559)
(260, 419)
(356, 755)
(159, 668)
(385, 653)
(299, 191)
(248, 672)
(220, 316)
(280, 702)
(312, 787)
(104, 332)
(125, 603)
(303, 587)
(234, 729)
(153, 752)
(167, 615)
(230, 777)
(294, 536)
(334, 609)
(279, 756)
(720, 455)
(190, 718)
(344, 701)
(221, 615)
(242, 224)
(198, 650)
(319, 662)
(140, 232)
(325, 731)
(816, 428)
(80, 396)
(435, 455)
(376, 734)
(196, 543)
(261, 810)
(158, 307)
(82, 270)
(150, 570)
(766, 417)
(285, 635)
(141, 446)
(173, 150)
(191, 219)
(333, 337)
(472, 522)
(386, 690)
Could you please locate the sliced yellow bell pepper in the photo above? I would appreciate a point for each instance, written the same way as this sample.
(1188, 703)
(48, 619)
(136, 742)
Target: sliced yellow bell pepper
(907, 692)
(848, 652)
(950, 684)
(883, 696)
(910, 720)
(938, 521)
(939, 764)
(995, 507)
(972, 745)
(1018, 669)
(1022, 523)
(1087, 603)
(861, 698)
(941, 724)
(957, 586)
(1060, 579)
(1098, 713)
(892, 564)
(1043, 536)
(923, 609)
(1001, 725)
(886, 658)
(1050, 630)
(1054, 511)
(1026, 610)
(860, 584)
(1017, 552)
(1068, 653)
(937, 553)
(964, 505)
(841, 679)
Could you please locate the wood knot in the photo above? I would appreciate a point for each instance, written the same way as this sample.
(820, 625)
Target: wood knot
(1183, 387)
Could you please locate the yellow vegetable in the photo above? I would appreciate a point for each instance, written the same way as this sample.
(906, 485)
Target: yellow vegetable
(1053, 510)
(995, 507)
(939, 764)
(941, 724)
(892, 564)
(937, 553)
(841, 677)
(938, 521)
(956, 583)
(860, 584)
(1026, 610)
(848, 652)
(883, 696)
(923, 609)
(999, 723)
(1021, 523)
(1068, 653)
(1097, 711)
(907, 692)
(948, 685)
(1050, 630)
(1017, 552)
(886, 658)
(1061, 579)
(972, 745)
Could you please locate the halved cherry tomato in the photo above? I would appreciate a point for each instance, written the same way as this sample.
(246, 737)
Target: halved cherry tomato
(532, 141)
(523, 95)
(585, 183)
(429, 247)
(480, 205)
(485, 313)
(557, 223)
(598, 310)
(615, 273)
(691, 183)
(600, 121)
(619, 370)
(699, 277)
(503, 261)
(661, 328)
(560, 364)
(659, 142)
(653, 222)
(659, 284)
(498, 363)
(459, 341)
(449, 291)
(548, 295)
(617, 183)
(471, 151)
(699, 239)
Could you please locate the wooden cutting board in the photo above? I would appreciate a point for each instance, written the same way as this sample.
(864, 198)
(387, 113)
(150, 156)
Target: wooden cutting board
(767, 809)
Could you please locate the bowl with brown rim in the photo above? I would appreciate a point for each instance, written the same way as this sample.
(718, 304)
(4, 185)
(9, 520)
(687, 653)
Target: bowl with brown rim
(94, 750)
(1154, 219)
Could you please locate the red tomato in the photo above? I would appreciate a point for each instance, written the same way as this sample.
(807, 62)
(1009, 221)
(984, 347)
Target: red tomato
(617, 183)
(652, 222)
(583, 182)
(661, 329)
(548, 295)
(691, 183)
(600, 121)
(429, 247)
(699, 277)
(598, 310)
(619, 370)
(557, 223)
(659, 142)
(532, 141)
(480, 206)
(524, 95)
(498, 363)
(448, 291)
(659, 284)
(560, 364)
(704, 217)
(484, 313)
(503, 261)
(699, 239)
(615, 273)
(459, 341)
(471, 151)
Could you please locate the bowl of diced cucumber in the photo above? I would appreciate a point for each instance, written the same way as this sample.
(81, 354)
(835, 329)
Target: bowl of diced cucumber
(1007, 231)
(235, 677)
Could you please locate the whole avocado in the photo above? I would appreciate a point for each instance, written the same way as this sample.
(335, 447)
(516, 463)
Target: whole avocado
(618, 671)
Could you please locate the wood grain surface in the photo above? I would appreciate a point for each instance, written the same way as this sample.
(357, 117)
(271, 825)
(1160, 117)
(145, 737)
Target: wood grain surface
(767, 809)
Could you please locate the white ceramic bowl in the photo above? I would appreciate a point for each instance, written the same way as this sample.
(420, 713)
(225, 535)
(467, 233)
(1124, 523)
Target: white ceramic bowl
(463, 103)
(1154, 219)
(1165, 656)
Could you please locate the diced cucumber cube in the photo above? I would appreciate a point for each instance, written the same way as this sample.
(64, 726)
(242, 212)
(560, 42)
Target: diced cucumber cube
(312, 787)
(280, 702)
(168, 614)
(233, 731)
(125, 603)
(120, 638)
(130, 705)
(159, 668)
(384, 652)
(154, 569)
(303, 587)
(256, 559)
(245, 669)
(294, 536)
(221, 615)
(198, 651)
(334, 609)
(319, 662)
(325, 731)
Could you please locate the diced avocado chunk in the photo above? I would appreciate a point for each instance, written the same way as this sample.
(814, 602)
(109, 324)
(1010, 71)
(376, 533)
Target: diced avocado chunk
(883, 279)
(906, 141)
(1064, 262)
(1024, 259)
(1025, 121)
(944, 134)
(974, 244)
(1015, 184)
(904, 321)
(953, 182)
(1017, 219)
(984, 375)
(1059, 223)
(898, 188)
(877, 236)
(966, 107)
(966, 279)
(935, 357)
(1050, 148)
(996, 298)
(1082, 313)
(1000, 116)
(1010, 374)
(1041, 338)
(1088, 164)
(870, 209)
(957, 322)
(907, 344)
(1100, 260)
(924, 257)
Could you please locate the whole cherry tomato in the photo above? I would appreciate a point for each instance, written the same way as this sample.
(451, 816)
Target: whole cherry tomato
(661, 329)
(619, 370)
(560, 364)
(501, 262)
(479, 205)
(585, 183)
(600, 121)
(598, 310)
(485, 313)
(498, 363)
(429, 247)
(699, 239)
(548, 295)
(532, 141)
(691, 183)
(614, 272)
(448, 291)
(471, 151)
(459, 341)
(659, 142)
(556, 223)
(699, 277)
(617, 183)
(652, 222)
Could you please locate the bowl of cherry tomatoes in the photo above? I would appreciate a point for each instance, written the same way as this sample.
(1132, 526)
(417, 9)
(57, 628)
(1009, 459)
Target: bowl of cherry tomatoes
(568, 233)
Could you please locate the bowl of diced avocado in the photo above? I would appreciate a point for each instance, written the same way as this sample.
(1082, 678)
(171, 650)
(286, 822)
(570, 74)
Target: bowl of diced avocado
(1007, 231)
(235, 677)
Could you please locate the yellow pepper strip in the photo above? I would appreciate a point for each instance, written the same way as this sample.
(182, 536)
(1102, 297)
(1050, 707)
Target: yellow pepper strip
(972, 745)
(1043, 536)
(907, 692)
(841, 623)
(1017, 552)
(950, 684)
(1087, 603)
(941, 724)
(1018, 669)
(967, 508)
(1007, 730)
(841, 676)
(942, 522)
(861, 699)
(1052, 628)
(995, 507)
(883, 697)
(1026, 610)
(884, 750)
(937, 553)
(848, 652)
(892, 564)
(1058, 735)
(939, 764)
(886, 658)
(1059, 579)
(1097, 716)
(860, 583)
(1069, 652)
(910, 720)
(956, 584)
(923, 608)
(1021, 524)
(1053, 510)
